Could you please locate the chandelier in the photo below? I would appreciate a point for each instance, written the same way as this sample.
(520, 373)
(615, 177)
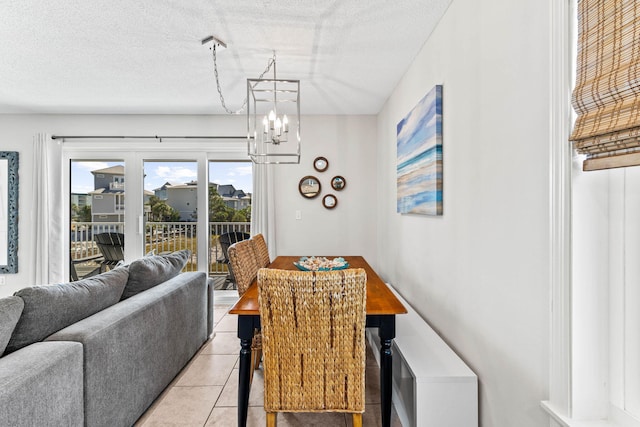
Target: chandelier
(273, 119)
(273, 114)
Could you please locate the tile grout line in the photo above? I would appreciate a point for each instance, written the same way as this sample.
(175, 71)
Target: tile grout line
(226, 382)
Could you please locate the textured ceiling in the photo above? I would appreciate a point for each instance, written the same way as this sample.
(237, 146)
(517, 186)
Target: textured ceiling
(146, 56)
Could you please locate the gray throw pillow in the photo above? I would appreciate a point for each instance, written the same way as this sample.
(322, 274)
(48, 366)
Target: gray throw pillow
(10, 309)
(147, 272)
(49, 308)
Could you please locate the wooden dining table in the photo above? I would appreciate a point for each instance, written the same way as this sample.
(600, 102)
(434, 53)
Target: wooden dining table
(382, 307)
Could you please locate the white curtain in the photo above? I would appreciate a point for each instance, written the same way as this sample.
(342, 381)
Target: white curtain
(263, 206)
(47, 214)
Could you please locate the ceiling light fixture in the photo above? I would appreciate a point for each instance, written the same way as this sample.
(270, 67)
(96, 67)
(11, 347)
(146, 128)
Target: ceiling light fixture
(273, 114)
(273, 120)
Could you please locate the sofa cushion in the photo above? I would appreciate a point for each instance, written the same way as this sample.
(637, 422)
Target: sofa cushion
(42, 385)
(10, 310)
(49, 308)
(149, 271)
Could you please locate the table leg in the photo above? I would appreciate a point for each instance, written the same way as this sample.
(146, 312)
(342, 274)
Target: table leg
(385, 381)
(245, 333)
(244, 382)
(386, 331)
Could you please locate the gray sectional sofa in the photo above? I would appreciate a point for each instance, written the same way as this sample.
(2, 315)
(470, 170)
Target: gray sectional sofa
(78, 356)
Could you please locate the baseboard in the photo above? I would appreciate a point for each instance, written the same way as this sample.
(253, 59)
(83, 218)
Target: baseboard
(225, 297)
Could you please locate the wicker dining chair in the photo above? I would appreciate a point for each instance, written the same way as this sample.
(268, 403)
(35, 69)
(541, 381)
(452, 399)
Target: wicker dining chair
(245, 266)
(261, 249)
(313, 341)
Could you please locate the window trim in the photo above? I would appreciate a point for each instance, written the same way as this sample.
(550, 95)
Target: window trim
(560, 212)
(561, 370)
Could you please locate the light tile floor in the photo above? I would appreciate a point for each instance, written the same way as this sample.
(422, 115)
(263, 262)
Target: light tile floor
(205, 393)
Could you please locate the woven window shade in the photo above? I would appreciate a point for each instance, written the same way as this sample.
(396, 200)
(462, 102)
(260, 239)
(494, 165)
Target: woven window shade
(607, 93)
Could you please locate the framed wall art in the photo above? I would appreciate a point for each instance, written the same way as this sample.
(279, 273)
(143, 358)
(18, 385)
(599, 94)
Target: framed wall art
(419, 157)
(8, 212)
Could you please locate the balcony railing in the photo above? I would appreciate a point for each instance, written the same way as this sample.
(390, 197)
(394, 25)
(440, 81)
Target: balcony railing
(116, 186)
(160, 237)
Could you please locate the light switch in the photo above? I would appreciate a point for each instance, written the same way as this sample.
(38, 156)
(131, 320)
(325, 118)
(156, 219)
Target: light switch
(3, 280)
(298, 215)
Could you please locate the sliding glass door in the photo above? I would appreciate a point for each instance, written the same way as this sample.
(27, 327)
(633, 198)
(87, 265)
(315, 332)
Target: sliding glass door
(156, 203)
(171, 208)
(230, 194)
(97, 208)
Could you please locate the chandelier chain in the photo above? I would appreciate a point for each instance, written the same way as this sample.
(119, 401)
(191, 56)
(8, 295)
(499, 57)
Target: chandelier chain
(272, 61)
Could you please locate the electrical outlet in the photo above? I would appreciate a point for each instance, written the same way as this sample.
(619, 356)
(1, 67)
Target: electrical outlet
(298, 215)
(3, 280)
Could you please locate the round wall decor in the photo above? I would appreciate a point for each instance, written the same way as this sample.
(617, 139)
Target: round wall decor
(309, 187)
(329, 201)
(338, 183)
(321, 164)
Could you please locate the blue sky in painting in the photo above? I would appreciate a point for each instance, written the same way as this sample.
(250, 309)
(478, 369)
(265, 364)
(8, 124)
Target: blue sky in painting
(417, 128)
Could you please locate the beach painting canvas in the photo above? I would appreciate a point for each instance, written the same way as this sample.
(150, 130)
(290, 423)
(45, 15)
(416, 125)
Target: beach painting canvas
(419, 164)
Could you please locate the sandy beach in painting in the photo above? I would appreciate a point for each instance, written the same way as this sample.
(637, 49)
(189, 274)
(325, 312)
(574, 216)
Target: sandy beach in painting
(419, 167)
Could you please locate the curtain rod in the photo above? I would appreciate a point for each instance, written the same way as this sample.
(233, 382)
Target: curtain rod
(160, 138)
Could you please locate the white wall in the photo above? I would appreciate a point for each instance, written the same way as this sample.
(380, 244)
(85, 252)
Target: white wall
(347, 142)
(479, 274)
